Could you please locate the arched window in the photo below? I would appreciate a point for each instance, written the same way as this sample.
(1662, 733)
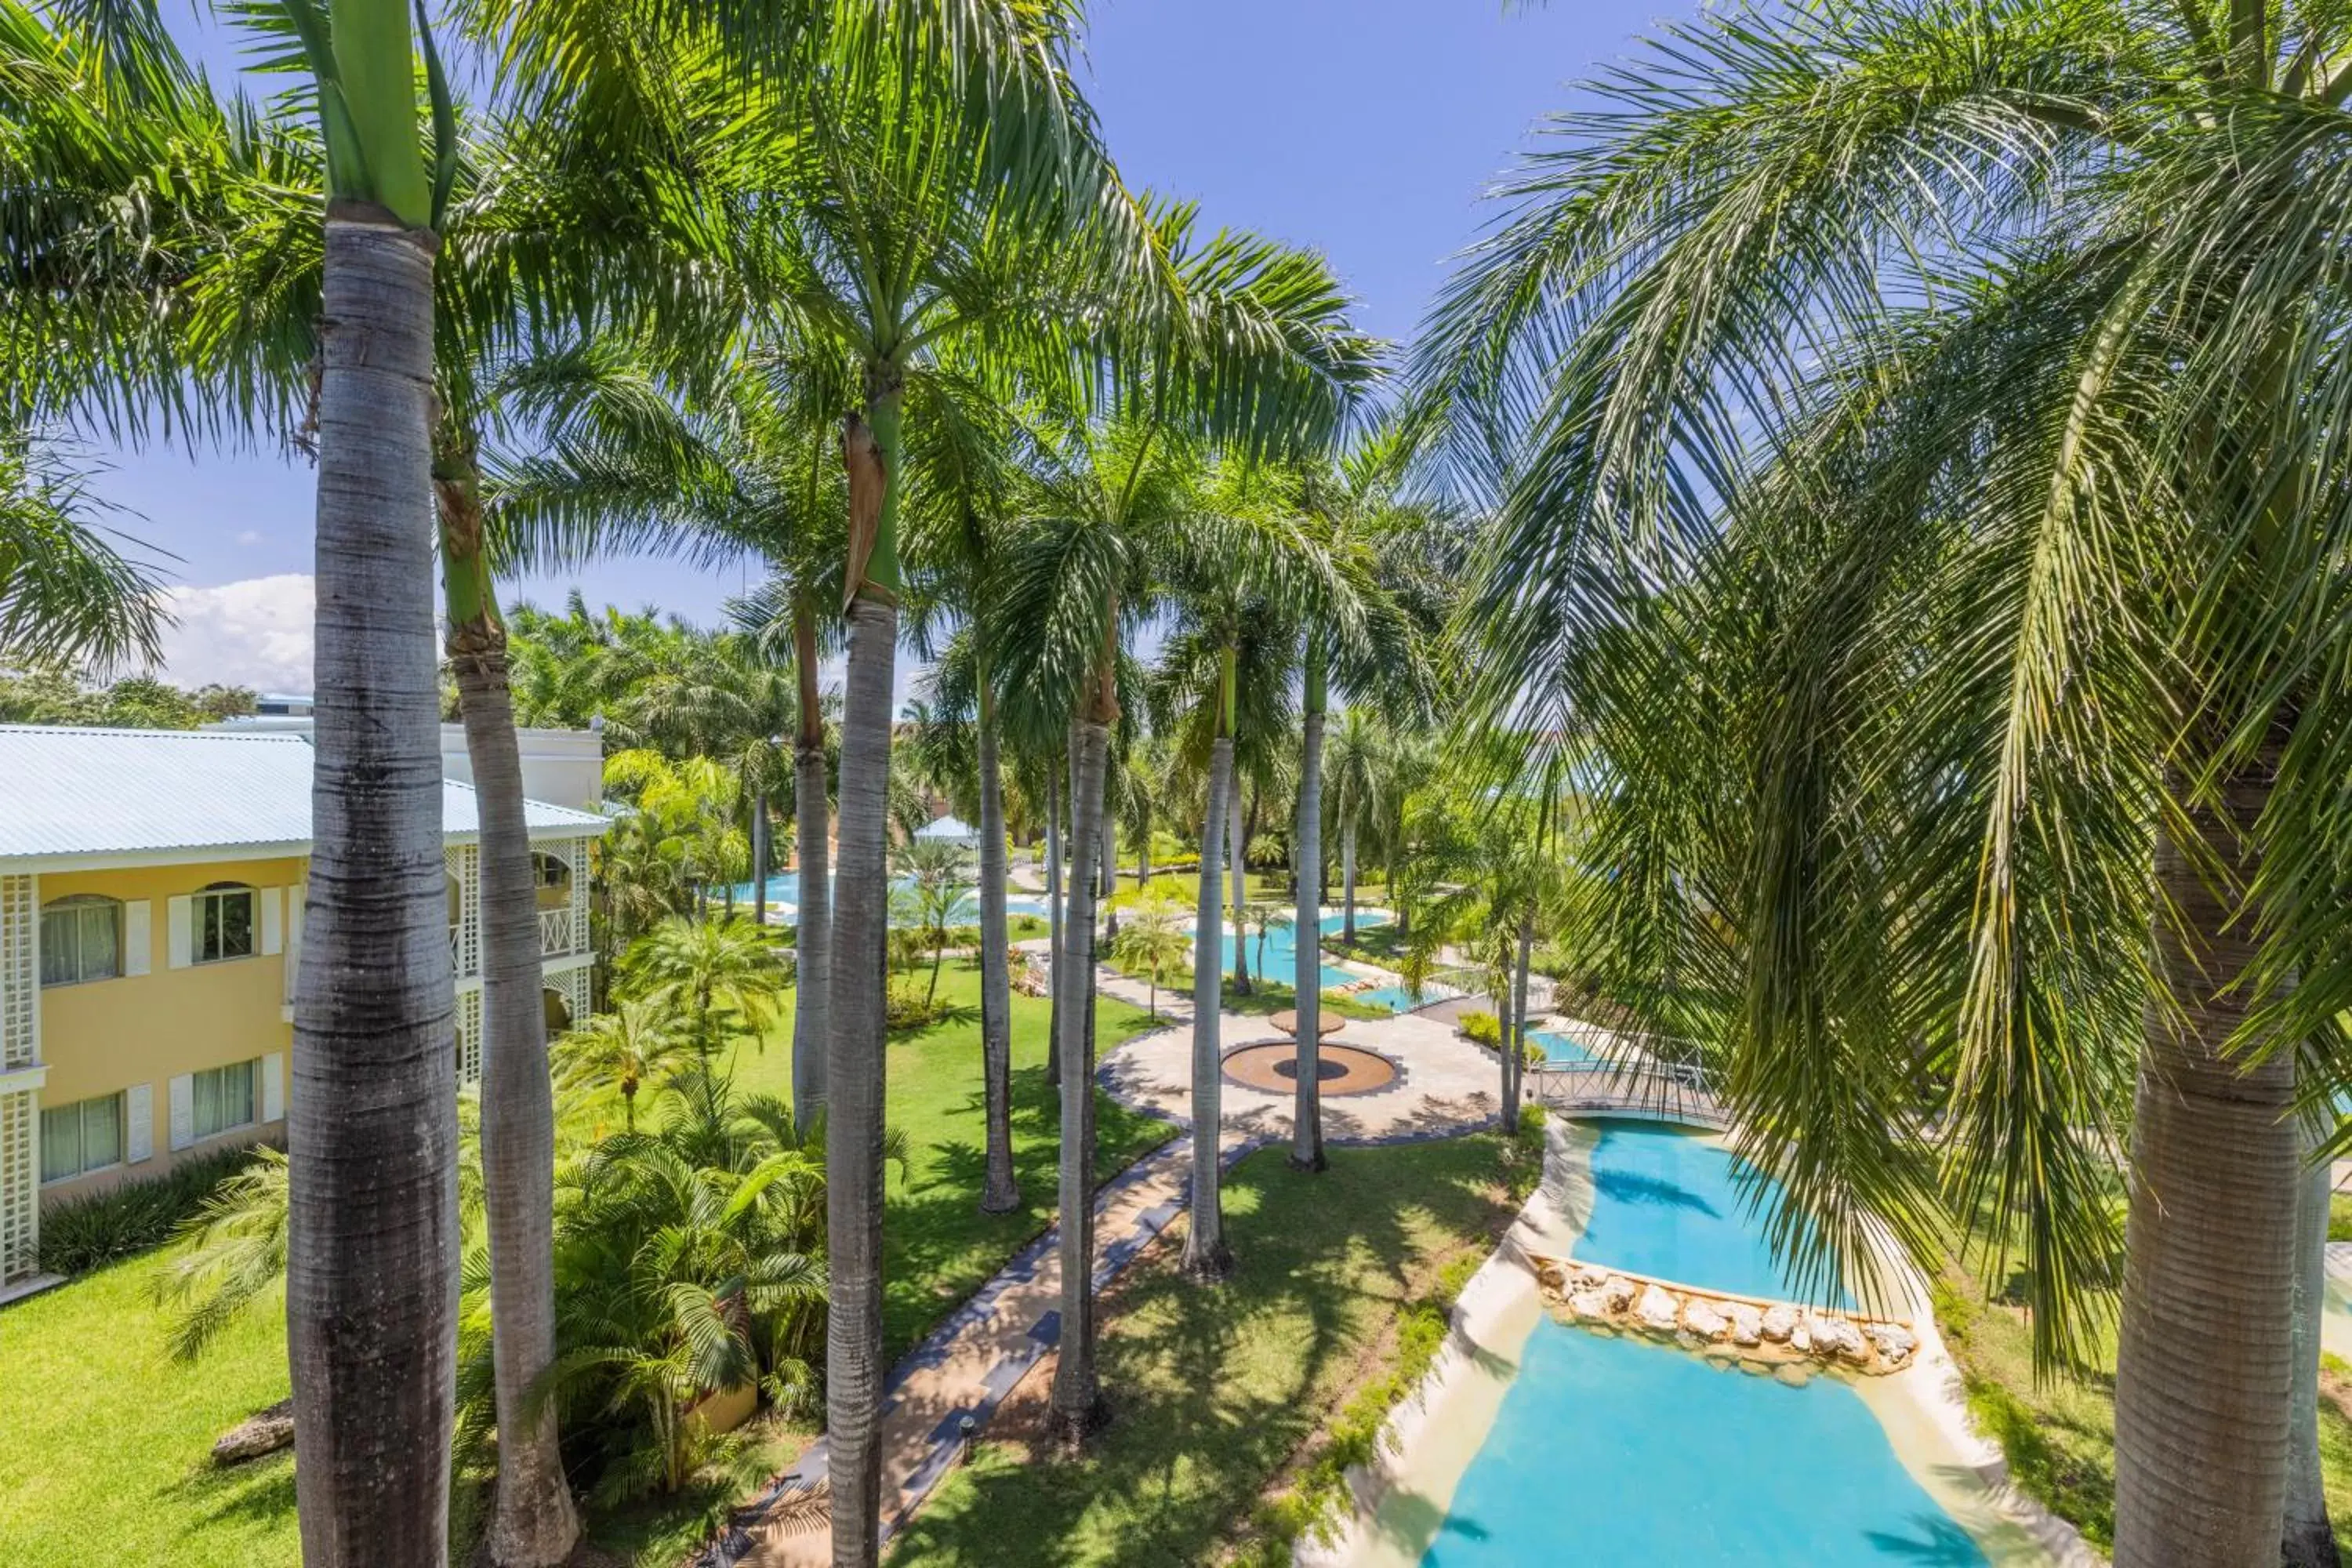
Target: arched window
(222, 923)
(81, 939)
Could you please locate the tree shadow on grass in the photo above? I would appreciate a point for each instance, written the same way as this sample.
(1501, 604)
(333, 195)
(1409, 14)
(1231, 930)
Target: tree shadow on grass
(1215, 1389)
(260, 1492)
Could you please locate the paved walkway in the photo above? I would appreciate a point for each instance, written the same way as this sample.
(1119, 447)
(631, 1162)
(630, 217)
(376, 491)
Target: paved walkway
(980, 1354)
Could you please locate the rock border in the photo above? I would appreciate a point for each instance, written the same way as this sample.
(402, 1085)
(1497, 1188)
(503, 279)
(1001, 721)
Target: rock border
(1771, 1336)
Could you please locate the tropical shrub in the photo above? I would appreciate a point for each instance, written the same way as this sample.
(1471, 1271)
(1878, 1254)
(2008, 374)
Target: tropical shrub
(912, 1006)
(1483, 1028)
(82, 1234)
(688, 1262)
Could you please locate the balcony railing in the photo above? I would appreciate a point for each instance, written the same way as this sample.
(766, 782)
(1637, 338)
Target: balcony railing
(554, 932)
(457, 951)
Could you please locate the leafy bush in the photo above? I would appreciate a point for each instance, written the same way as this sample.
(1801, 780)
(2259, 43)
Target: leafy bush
(910, 1006)
(1483, 1028)
(88, 1233)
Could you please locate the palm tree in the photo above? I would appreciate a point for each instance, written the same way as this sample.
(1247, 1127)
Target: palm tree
(1976, 597)
(67, 592)
(1150, 941)
(724, 973)
(642, 458)
(637, 1041)
(371, 1306)
(1353, 773)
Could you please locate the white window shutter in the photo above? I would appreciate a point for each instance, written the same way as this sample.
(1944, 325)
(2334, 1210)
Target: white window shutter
(180, 917)
(138, 936)
(273, 1087)
(184, 1110)
(273, 920)
(139, 1113)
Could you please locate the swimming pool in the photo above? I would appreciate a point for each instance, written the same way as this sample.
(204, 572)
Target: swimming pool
(1617, 1450)
(1610, 1449)
(1671, 1204)
(1280, 957)
(1560, 1048)
(784, 894)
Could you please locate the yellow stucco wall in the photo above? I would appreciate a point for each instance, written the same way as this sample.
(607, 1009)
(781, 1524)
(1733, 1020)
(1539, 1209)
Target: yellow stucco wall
(102, 1035)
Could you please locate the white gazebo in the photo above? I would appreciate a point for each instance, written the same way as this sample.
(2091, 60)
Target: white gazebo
(950, 829)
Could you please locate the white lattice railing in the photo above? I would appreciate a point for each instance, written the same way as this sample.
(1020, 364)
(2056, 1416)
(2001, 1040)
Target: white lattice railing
(20, 1200)
(554, 932)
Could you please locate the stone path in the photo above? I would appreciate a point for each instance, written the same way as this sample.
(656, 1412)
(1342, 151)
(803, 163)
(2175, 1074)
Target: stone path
(974, 1360)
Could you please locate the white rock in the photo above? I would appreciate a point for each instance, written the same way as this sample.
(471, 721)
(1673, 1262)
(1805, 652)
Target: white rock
(1587, 1304)
(1701, 1319)
(1800, 1338)
(1657, 1310)
(1747, 1323)
(1590, 1275)
(1895, 1341)
(1551, 1278)
(1778, 1324)
(1617, 1291)
(1836, 1337)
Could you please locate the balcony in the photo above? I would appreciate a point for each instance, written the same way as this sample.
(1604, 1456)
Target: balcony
(555, 932)
(457, 951)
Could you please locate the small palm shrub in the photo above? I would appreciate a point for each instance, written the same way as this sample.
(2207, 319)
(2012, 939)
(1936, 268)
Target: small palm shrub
(89, 1233)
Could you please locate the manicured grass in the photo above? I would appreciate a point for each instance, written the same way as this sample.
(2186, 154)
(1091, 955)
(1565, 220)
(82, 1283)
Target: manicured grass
(1216, 1393)
(2339, 1216)
(104, 1440)
(938, 1247)
(2060, 1437)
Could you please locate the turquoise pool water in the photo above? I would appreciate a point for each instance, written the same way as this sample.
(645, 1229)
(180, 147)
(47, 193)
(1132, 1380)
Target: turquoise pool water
(1560, 1048)
(1617, 1450)
(1280, 955)
(1669, 1204)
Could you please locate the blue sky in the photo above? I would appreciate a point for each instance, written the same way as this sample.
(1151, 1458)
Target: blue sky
(1363, 127)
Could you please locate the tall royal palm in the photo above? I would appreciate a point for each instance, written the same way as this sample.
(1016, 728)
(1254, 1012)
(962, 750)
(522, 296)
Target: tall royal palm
(1237, 340)
(371, 1130)
(1921, 490)
(923, 215)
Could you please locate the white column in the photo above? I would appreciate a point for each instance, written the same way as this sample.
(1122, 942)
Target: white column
(20, 1052)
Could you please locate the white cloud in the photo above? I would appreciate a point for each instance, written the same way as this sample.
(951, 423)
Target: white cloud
(250, 537)
(252, 633)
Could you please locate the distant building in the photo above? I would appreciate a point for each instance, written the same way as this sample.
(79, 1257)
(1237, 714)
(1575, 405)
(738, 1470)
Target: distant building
(151, 887)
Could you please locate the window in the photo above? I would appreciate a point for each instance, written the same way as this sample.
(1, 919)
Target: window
(81, 939)
(81, 1138)
(222, 914)
(226, 1098)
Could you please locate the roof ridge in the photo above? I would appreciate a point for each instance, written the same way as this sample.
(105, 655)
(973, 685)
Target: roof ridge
(135, 732)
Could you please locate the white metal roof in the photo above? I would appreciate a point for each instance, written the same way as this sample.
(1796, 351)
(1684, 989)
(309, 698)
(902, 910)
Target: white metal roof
(73, 794)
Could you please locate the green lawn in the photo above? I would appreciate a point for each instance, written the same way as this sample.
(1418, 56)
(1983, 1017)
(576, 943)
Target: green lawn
(1216, 1393)
(2060, 1437)
(104, 1441)
(936, 1246)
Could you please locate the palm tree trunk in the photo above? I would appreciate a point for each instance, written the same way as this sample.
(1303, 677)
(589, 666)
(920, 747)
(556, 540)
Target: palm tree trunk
(1109, 844)
(372, 1256)
(999, 1191)
(1054, 914)
(533, 1523)
(1306, 936)
(760, 858)
(1206, 1256)
(1237, 863)
(812, 927)
(1515, 1039)
(854, 1083)
(2205, 1357)
(2309, 1539)
(1077, 1408)
(1348, 875)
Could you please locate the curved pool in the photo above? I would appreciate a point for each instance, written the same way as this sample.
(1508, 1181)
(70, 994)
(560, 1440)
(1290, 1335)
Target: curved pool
(1618, 1450)
(1678, 1205)
(1608, 1448)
